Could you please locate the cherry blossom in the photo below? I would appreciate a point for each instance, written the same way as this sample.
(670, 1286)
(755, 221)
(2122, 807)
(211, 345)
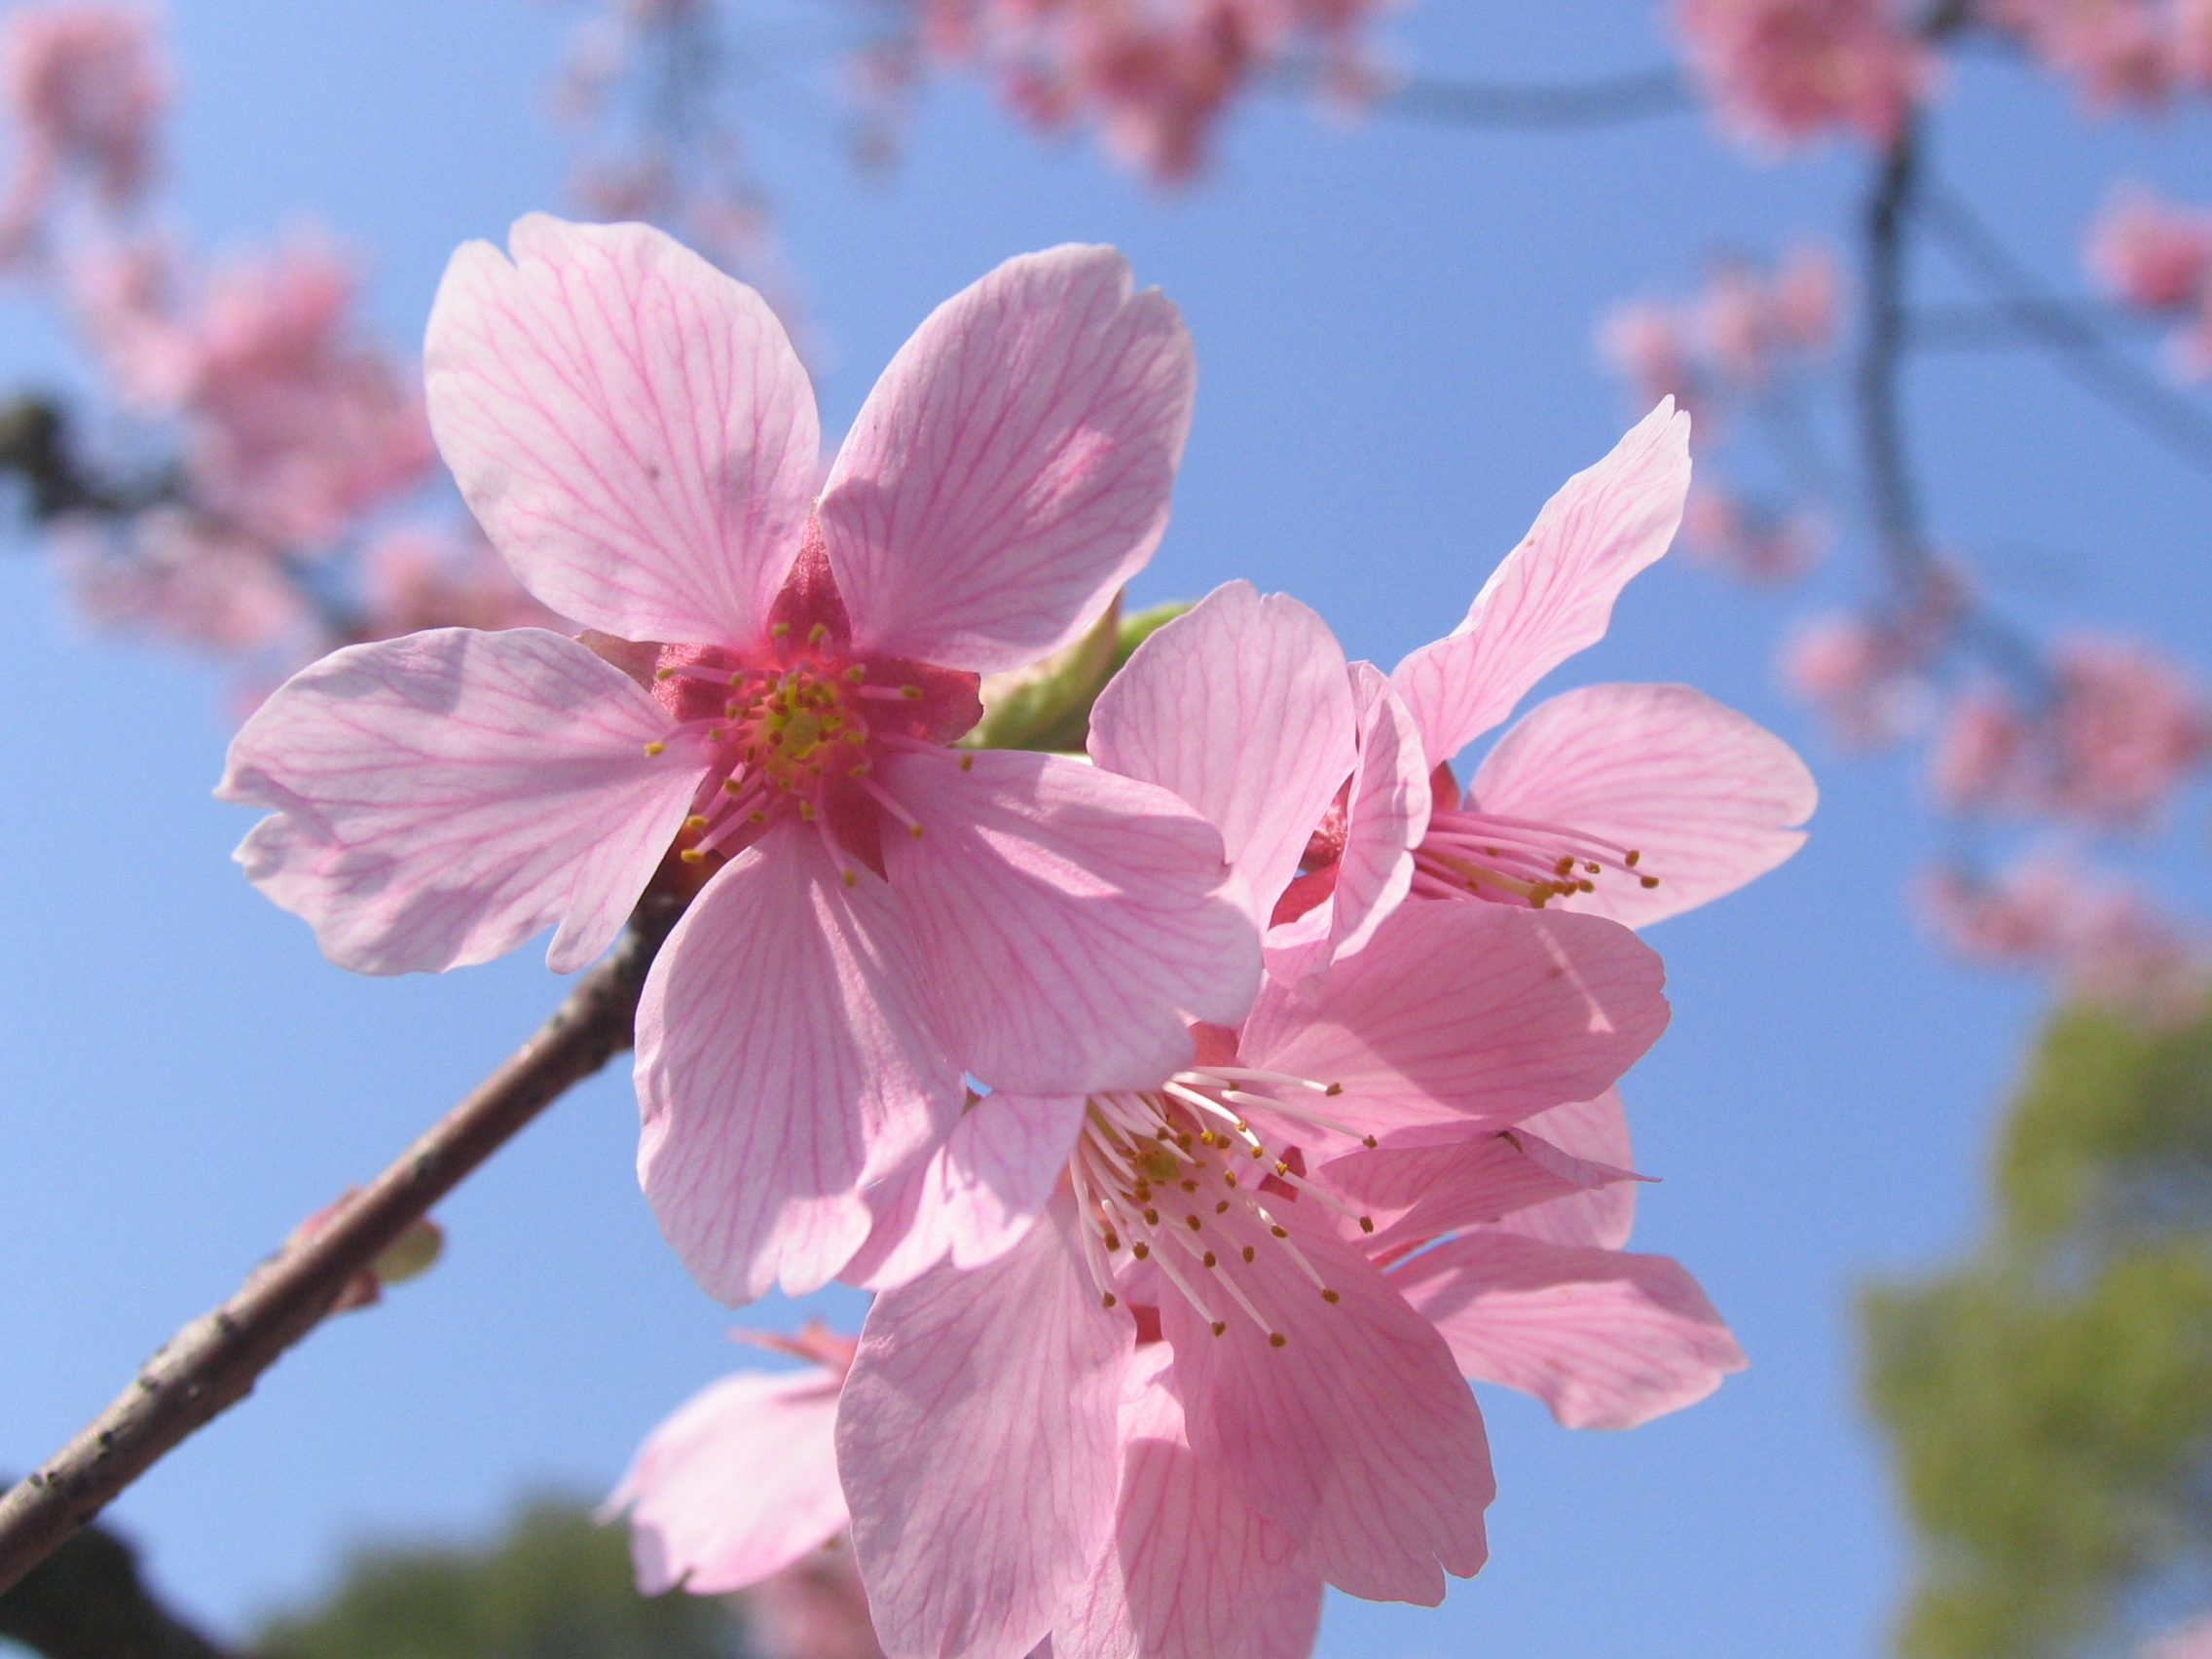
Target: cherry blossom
(880, 914)
(2100, 935)
(2119, 52)
(1784, 71)
(85, 85)
(1630, 802)
(1158, 1382)
(2106, 745)
(1751, 540)
(2158, 256)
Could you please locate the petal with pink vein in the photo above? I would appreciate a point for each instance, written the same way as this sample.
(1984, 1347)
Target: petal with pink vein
(978, 1443)
(1606, 1338)
(1355, 1434)
(1012, 468)
(1554, 593)
(738, 1483)
(1241, 706)
(784, 1059)
(441, 798)
(630, 426)
(1707, 798)
(1069, 919)
(1465, 1010)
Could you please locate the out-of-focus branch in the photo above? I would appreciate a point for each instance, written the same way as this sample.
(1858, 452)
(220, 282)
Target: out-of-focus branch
(1538, 106)
(34, 446)
(87, 1601)
(215, 1361)
(1985, 327)
(2079, 348)
(1892, 495)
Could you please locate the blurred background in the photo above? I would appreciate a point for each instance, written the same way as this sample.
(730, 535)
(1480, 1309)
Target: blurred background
(1398, 302)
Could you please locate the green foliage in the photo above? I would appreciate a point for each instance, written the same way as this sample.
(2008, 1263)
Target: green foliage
(1047, 706)
(554, 1586)
(2049, 1403)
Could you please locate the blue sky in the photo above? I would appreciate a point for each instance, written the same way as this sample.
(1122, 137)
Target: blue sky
(1393, 329)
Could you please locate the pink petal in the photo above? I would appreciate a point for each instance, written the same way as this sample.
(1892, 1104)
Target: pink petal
(1356, 1435)
(1415, 1193)
(738, 1483)
(1070, 919)
(785, 1060)
(1707, 797)
(1385, 818)
(978, 1447)
(1465, 1010)
(1606, 1338)
(1595, 1129)
(1189, 1565)
(977, 1195)
(1012, 468)
(1241, 707)
(630, 426)
(441, 798)
(1289, 1622)
(1554, 593)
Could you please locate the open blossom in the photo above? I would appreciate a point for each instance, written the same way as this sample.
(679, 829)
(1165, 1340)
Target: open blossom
(421, 576)
(2119, 52)
(1784, 71)
(1628, 801)
(1751, 540)
(2158, 256)
(84, 85)
(1170, 1371)
(1754, 322)
(2119, 730)
(774, 687)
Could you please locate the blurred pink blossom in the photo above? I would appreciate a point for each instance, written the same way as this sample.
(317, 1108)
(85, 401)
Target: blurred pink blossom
(176, 575)
(1751, 541)
(2152, 254)
(2120, 52)
(815, 1608)
(1866, 676)
(1754, 321)
(1785, 71)
(1650, 344)
(421, 576)
(2100, 935)
(84, 85)
(2123, 729)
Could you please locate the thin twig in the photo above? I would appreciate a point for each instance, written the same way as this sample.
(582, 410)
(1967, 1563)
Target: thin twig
(1983, 327)
(215, 1361)
(2077, 348)
(1541, 106)
(1894, 497)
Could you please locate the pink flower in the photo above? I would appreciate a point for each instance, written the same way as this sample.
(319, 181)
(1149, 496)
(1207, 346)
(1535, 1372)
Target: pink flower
(1160, 1382)
(1628, 801)
(2103, 938)
(2120, 731)
(85, 85)
(1782, 71)
(1868, 675)
(2121, 51)
(2151, 254)
(1650, 347)
(418, 577)
(1749, 541)
(184, 578)
(884, 914)
(1754, 322)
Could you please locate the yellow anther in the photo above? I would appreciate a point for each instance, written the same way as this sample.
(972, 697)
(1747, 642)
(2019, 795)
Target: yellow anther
(817, 633)
(1367, 1224)
(695, 824)
(692, 856)
(1331, 1297)
(1140, 1249)
(1564, 867)
(1208, 1258)
(1333, 1091)
(913, 693)
(1633, 858)
(756, 815)
(1188, 1185)
(1107, 1301)
(778, 630)
(1369, 1142)
(1193, 1222)
(967, 763)
(1221, 1208)
(1589, 868)
(654, 748)
(806, 810)
(1152, 1218)
(1113, 1239)
(1281, 1169)
(851, 880)
(664, 674)
(732, 785)
(856, 674)
(1650, 881)
(915, 831)
(1220, 1328)
(1275, 1339)
(1247, 1252)
(1280, 1232)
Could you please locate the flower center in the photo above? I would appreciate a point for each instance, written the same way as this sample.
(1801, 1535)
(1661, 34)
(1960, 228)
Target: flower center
(1180, 1176)
(1515, 860)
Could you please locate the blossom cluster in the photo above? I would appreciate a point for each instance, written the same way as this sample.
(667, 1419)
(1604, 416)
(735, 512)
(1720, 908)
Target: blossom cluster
(1780, 72)
(1201, 1111)
(2117, 52)
(257, 503)
(2156, 256)
(1742, 350)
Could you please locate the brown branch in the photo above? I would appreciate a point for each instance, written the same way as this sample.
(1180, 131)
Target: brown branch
(1604, 102)
(1896, 501)
(215, 1361)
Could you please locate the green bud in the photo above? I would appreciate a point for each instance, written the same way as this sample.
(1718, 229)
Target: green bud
(1047, 706)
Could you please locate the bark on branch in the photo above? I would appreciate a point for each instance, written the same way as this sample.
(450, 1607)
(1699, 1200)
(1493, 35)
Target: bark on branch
(215, 1361)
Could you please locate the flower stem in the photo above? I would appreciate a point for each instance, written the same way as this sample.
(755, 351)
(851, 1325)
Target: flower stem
(213, 1362)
